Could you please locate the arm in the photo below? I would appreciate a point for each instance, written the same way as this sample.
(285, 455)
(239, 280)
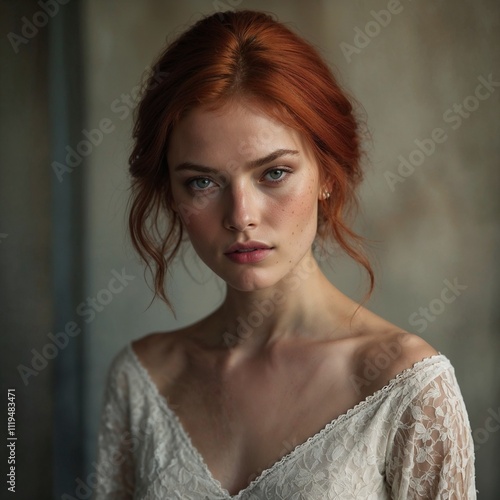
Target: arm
(115, 464)
(432, 454)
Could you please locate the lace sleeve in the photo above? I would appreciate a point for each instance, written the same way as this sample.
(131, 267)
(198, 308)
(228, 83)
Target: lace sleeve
(115, 465)
(432, 455)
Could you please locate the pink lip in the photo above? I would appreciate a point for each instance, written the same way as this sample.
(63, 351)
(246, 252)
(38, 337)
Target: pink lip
(248, 245)
(248, 252)
(249, 257)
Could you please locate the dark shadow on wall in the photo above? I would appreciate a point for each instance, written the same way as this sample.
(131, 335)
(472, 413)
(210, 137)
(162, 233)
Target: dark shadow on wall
(41, 243)
(67, 175)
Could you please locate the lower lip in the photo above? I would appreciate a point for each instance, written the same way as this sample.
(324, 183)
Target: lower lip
(249, 257)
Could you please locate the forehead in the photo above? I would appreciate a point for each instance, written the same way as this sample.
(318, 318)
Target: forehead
(238, 131)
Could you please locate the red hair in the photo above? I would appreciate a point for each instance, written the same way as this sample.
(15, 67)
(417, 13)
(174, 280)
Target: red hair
(241, 54)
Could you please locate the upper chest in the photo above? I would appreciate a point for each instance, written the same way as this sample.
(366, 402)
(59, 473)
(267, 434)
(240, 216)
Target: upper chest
(288, 388)
(245, 420)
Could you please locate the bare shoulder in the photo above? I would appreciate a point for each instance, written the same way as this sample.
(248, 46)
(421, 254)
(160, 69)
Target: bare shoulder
(171, 350)
(149, 345)
(159, 353)
(382, 356)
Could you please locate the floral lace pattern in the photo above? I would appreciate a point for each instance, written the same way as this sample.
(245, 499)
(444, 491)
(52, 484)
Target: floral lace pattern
(409, 440)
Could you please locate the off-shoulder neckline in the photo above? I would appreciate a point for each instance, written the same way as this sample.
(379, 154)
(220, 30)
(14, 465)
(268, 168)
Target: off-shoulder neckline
(401, 376)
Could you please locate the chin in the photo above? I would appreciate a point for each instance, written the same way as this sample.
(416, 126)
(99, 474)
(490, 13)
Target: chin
(247, 286)
(250, 281)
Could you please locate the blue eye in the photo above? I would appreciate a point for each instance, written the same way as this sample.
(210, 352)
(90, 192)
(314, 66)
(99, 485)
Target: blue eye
(200, 183)
(277, 174)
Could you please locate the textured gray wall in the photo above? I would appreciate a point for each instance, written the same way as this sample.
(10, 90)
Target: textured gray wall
(26, 304)
(437, 222)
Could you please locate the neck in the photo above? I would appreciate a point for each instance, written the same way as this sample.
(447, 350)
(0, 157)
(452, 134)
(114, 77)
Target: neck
(303, 304)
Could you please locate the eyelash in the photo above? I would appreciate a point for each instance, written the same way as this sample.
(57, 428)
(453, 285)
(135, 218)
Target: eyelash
(285, 170)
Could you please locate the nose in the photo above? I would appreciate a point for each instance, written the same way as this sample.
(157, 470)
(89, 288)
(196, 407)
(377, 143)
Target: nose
(240, 209)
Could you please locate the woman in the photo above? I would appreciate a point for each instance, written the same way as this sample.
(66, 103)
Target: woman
(245, 143)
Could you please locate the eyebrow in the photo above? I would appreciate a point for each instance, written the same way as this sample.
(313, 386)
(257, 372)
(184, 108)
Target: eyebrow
(278, 153)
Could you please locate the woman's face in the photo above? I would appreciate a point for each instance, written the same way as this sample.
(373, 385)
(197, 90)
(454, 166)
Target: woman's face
(240, 177)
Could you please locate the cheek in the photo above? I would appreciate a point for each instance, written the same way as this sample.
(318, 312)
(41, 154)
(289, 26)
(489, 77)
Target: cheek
(198, 224)
(302, 202)
(201, 233)
(193, 211)
(297, 211)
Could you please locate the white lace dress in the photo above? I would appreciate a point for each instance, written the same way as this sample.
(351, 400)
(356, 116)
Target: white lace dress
(409, 440)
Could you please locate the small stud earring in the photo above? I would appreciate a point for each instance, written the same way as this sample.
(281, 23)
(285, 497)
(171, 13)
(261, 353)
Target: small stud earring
(326, 195)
